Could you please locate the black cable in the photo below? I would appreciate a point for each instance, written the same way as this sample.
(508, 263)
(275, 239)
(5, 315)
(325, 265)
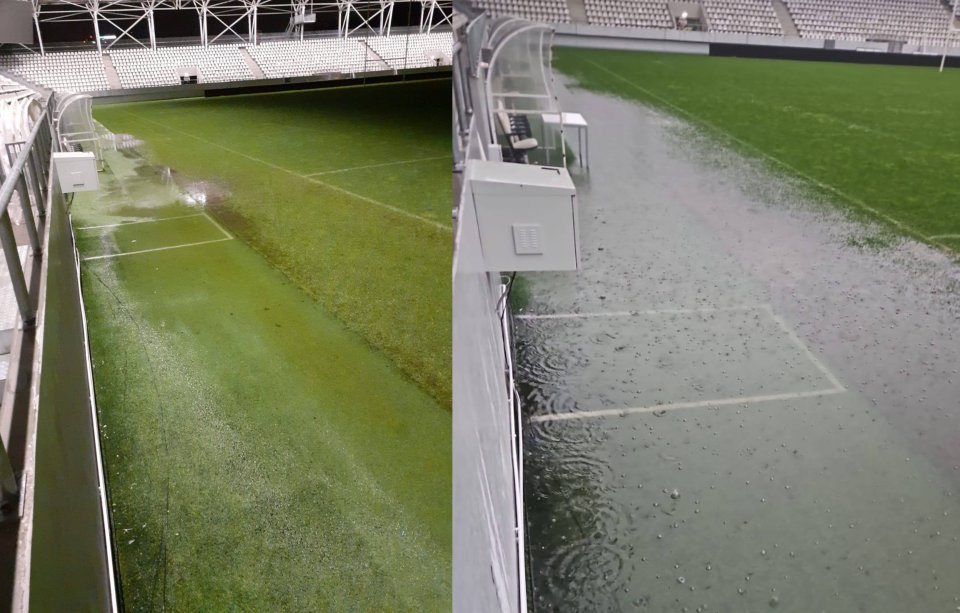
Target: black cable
(161, 557)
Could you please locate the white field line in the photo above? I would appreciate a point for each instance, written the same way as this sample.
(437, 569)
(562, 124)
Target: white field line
(120, 255)
(946, 236)
(806, 351)
(856, 201)
(704, 310)
(218, 226)
(683, 405)
(837, 388)
(414, 161)
(335, 188)
(131, 223)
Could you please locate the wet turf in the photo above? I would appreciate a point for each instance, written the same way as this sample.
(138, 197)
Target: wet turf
(383, 273)
(260, 454)
(874, 137)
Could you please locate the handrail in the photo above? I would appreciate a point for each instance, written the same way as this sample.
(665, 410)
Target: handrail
(11, 180)
(28, 173)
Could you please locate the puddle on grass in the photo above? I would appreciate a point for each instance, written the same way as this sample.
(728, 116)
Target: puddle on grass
(134, 189)
(807, 460)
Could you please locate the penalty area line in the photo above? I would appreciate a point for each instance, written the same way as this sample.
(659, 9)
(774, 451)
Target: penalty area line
(397, 163)
(218, 226)
(120, 255)
(683, 405)
(132, 223)
(693, 311)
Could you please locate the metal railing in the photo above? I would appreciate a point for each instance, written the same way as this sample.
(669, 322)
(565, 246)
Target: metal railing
(26, 182)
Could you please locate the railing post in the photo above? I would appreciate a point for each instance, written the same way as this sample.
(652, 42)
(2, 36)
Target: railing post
(9, 244)
(28, 219)
(8, 480)
(38, 181)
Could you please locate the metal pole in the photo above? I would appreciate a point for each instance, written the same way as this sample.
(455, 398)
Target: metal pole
(28, 220)
(152, 30)
(36, 22)
(8, 479)
(9, 245)
(38, 182)
(95, 12)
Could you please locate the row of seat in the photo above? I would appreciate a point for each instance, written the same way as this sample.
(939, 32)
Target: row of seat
(139, 67)
(552, 11)
(630, 13)
(290, 58)
(67, 71)
(911, 21)
(85, 71)
(413, 51)
(742, 17)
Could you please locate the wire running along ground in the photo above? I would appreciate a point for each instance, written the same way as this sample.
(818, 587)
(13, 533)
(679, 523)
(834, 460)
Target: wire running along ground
(160, 559)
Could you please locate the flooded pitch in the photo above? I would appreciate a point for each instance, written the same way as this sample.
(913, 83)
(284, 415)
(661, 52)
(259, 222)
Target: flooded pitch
(246, 469)
(746, 399)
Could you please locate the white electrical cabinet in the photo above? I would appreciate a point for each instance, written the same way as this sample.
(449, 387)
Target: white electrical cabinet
(526, 216)
(77, 171)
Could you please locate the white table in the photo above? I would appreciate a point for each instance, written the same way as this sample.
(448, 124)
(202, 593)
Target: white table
(573, 120)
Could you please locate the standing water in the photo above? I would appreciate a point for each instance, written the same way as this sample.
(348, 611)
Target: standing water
(744, 401)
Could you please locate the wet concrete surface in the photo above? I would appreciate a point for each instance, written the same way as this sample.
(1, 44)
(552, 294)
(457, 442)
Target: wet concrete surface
(747, 399)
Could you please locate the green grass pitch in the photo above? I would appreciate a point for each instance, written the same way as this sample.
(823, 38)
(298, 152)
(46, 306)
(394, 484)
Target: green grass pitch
(275, 411)
(884, 140)
(315, 186)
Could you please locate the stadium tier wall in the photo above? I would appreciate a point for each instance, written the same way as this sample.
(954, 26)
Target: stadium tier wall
(830, 55)
(747, 45)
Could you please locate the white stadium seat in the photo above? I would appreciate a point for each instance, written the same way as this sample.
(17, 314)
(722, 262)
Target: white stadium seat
(910, 21)
(138, 67)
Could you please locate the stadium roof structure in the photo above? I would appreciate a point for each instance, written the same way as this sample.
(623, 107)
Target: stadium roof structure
(231, 19)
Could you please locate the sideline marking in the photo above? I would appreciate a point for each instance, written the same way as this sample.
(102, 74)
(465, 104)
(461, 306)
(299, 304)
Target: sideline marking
(131, 223)
(803, 348)
(946, 236)
(837, 388)
(218, 226)
(856, 201)
(335, 188)
(330, 172)
(755, 307)
(683, 405)
(120, 255)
